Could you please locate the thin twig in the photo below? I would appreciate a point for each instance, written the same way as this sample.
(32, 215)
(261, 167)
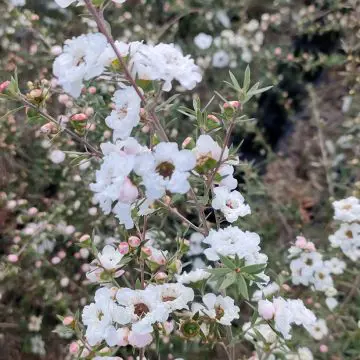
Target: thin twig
(77, 138)
(99, 19)
(183, 218)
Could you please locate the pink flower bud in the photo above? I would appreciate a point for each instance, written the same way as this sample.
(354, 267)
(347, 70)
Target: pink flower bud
(300, 242)
(13, 258)
(4, 85)
(74, 348)
(84, 238)
(79, 117)
(146, 251)
(123, 248)
(119, 273)
(33, 211)
(62, 254)
(55, 260)
(63, 98)
(290, 57)
(309, 301)
(68, 320)
(310, 246)
(186, 142)
(286, 287)
(214, 118)
(323, 348)
(266, 309)
(92, 90)
(38, 264)
(134, 241)
(277, 51)
(161, 276)
(232, 104)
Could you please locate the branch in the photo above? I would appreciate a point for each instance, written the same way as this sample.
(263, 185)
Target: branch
(76, 137)
(99, 19)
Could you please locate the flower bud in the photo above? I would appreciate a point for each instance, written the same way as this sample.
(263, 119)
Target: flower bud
(68, 320)
(161, 276)
(123, 248)
(145, 252)
(232, 104)
(13, 258)
(79, 117)
(74, 348)
(323, 348)
(134, 241)
(188, 143)
(266, 309)
(49, 128)
(92, 90)
(4, 85)
(190, 329)
(84, 238)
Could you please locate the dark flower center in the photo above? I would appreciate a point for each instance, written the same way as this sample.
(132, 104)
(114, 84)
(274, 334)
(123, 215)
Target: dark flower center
(165, 169)
(141, 309)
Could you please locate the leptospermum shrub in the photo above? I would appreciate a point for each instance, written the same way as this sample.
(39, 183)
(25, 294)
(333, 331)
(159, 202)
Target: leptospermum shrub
(143, 295)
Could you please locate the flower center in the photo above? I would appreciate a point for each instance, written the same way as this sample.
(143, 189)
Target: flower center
(141, 309)
(219, 312)
(347, 207)
(349, 234)
(165, 169)
(321, 276)
(168, 298)
(308, 262)
(100, 315)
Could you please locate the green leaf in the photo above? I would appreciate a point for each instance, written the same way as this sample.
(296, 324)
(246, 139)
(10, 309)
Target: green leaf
(228, 281)
(234, 81)
(242, 286)
(219, 271)
(259, 91)
(253, 269)
(227, 262)
(137, 284)
(254, 317)
(247, 79)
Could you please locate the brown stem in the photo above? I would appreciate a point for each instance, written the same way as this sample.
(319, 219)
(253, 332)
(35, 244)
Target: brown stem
(97, 14)
(183, 218)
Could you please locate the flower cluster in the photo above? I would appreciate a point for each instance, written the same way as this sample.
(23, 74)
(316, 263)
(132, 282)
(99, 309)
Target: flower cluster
(286, 312)
(347, 237)
(87, 56)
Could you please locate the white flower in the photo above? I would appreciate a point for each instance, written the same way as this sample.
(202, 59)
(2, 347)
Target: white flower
(331, 303)
(252, 25)
(57, 156)
(79, 61)
(165, 62)
(97, 316)
(139, 340)
(208, 151)
(126, 114)
(223, 18)
(110, 257)
(193, 276)
(335, 266)
(231, 241)
(144, 306)
(221, 59)
(230, 203)
(347, 237)
(266, 291)
(303, 353)
(286, 313)
(165, 169)
(203, 41)
(318, 330)
(222, 309)
(175, 296)
(196, 244)
(37, 345)
(347, 210)
(35, 323)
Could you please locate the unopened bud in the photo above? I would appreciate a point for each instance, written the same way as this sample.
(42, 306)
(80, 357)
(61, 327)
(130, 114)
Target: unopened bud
(79, 117)
(188, 143)
(84, 238)
(161, 276)
(68, 320)
(123, 248)
(145, 251)
(4, 85)
(134, 241)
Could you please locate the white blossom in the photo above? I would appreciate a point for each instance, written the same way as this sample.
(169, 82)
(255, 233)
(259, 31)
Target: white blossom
(203, 41)
(230, 203)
